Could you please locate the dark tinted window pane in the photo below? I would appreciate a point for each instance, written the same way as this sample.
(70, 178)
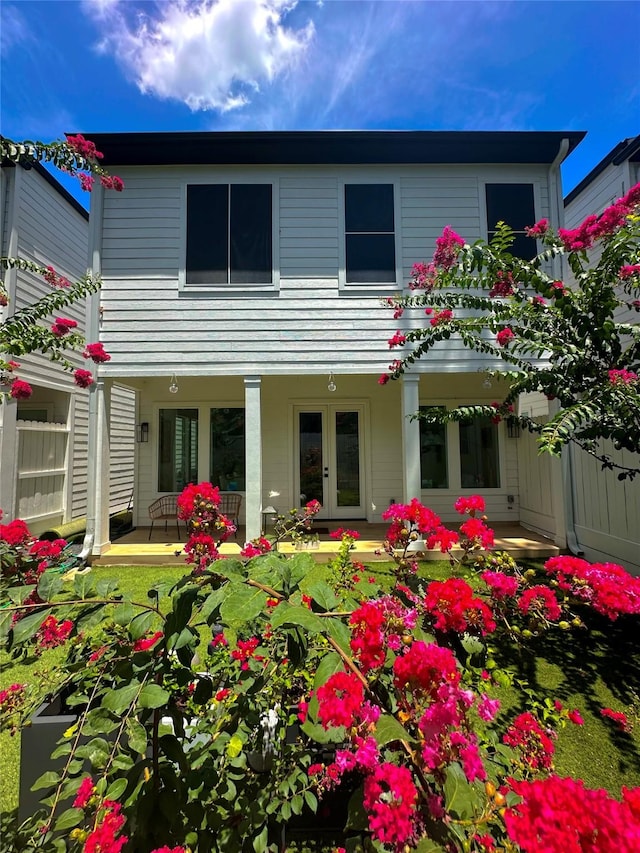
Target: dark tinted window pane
(510, 203)
(228, 449)
(207, 233)
(371, 257)
(433, 454)
(311, 480)
(368, 207)
(177, 449)
(250, 238)
(479, 459)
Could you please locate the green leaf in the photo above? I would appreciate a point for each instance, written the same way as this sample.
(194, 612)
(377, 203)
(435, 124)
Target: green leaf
(389, 729)
(83, 586)
(105, 587)
(428, 845)
(5, 624)
(339, 632)
(116, 789)
(287, 614)
(213, 601)
(141, 624)
(186, 637)
(18, 594)
(322, 593)
(234, 747)
(472, 645)
(28, 625)
(49, 585)
(356, 816)
(69, 819)
(47, 780)
(242, 604)
(321, 735)
(458, 794)
(124, 613)
(153, 696)
(137, 735)
(117, 701)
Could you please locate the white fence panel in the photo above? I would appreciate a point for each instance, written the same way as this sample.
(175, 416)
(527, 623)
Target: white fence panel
(41, 470)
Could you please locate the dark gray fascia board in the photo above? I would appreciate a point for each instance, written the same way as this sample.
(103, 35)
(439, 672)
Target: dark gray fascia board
(331, 147)
(628, 149)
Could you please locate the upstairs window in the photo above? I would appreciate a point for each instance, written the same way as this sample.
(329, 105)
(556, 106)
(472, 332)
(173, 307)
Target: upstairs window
(229, 234)
(370, 242)
(513, 204)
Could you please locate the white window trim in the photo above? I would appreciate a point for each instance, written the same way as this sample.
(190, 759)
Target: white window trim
(453, 456)
(232, 289)
(381, 287)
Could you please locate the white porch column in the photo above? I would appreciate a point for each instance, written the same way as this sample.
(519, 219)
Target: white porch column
(410, 437)
(253, 451)
(9, 456)
(98, 480)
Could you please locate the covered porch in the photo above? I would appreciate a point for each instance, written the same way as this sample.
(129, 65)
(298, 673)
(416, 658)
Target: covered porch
(165, 548)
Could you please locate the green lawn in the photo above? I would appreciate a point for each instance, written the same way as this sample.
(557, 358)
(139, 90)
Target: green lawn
(586, 670)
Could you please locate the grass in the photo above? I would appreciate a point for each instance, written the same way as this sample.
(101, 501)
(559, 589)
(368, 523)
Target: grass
(587, 670)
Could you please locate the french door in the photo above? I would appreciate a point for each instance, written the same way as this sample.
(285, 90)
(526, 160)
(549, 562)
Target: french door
(330, 459)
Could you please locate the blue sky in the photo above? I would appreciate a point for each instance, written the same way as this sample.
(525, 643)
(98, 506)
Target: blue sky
(126, 65)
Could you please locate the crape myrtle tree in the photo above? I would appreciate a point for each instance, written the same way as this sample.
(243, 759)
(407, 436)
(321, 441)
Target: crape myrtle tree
(564, 340)
(38, 327)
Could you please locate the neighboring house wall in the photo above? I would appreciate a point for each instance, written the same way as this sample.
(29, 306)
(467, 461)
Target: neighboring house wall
(48, 433)
(606, 510)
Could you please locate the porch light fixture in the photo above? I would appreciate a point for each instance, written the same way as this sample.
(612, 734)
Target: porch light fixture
(513, 429)
(142, 432)
(332, 385)
(173, 387)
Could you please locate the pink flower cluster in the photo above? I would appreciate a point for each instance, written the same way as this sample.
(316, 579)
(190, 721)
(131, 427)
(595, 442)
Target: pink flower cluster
(397, 340)
(146, 643)
(84, 794)
(103, 839)
(11, 698)
(607, 587)
(541, 601)
(539, 229)
(112, 182)
(618, 717)
(500, 585)
(340, 699)
(344, 532)
(560, 815)
(469, 505)
(197, 499)
(378, 625)
(534, 743)
(629, 271)
(504, 284)
(54, 279)
(389, 799)
(246, 650)
(439, 317)
(448, 247)
(406, 518)
(258, 546)
(53, 633)
(201, 549)
(622, 377)
(504, 336)
(20, 390)
(84, 147)
(476, 533)
(83, 378)
(596, 227)
(423, 277)
(62, 326)
(96, 353)
(453, 607)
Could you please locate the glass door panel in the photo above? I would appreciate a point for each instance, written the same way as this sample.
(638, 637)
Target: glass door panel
(311, 457)
(347, 445)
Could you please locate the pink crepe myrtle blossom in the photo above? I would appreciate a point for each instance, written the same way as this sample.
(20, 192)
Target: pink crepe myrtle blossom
(541, 600)
(423, 277)
(86, 181)
(55, 279)
(112, 182)
(84, 794)
(504, 285)
(622, 377)
(397, 340)
(440, 317)
(383, 379)
(618, 717)
(469, 505)
(96, 353)
(504, 336)
(146, 643)
(534, 743)
(448, 247)
(390, 798)
(340, 699)
(540, 228)
(62, 326)
(84, 147)
(256, 547)
(628, 271)
(20, 390)
(83, 378)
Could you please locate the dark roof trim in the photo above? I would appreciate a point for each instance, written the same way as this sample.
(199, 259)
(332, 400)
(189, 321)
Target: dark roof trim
(628, 149)
(57, 186)
(331, 147)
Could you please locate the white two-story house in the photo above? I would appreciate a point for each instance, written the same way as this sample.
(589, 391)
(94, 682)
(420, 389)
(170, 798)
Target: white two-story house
(244, 275)
(44, 439)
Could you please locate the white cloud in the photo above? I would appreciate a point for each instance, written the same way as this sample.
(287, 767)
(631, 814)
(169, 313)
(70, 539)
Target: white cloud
(14, 28)
(209, 54)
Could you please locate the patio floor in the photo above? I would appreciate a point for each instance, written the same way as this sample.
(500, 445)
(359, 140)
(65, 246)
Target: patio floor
(134, 548)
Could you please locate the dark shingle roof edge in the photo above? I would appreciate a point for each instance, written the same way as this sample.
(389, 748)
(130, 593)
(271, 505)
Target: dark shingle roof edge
(331, 147)
(628, 149)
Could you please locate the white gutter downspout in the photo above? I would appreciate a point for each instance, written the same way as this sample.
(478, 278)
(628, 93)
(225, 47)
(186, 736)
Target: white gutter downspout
(92, 334)
(556, 209)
